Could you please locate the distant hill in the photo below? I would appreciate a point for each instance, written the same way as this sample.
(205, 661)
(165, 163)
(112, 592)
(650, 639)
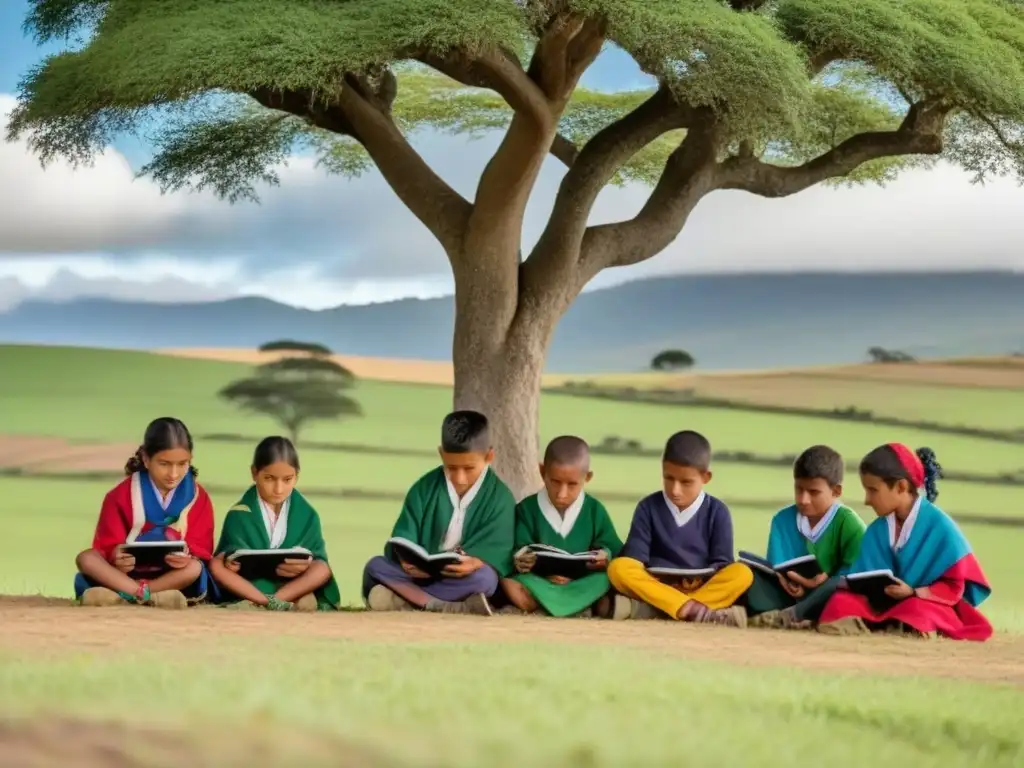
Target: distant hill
(725, 321)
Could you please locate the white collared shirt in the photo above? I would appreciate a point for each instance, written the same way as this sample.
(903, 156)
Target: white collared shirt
(453, 536)
(683, 516)
(561, 524)
(164, 501)
(908, 526)
(276, 525)
(813, 534)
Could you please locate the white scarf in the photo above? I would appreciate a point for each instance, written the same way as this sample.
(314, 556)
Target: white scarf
(683, 516)
(908, 527)
(562, 524)
(813, 534)
(453, 536)
(276, 525)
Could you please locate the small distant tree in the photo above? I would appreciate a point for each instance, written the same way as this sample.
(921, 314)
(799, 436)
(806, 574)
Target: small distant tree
(883, 355)
(289, 345)
(296, 390)
(672, 360)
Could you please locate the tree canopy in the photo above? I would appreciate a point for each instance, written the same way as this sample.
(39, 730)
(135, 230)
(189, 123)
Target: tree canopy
(765, 96)
(672, 359)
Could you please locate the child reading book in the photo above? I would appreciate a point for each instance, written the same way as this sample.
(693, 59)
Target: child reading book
(817, 525)
(562, 516)
(273, 515)
(158, 502)
(937, 582)
(684, 534)
(461, 508)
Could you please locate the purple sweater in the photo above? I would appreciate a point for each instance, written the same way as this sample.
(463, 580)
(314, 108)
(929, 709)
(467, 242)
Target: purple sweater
(656, 541)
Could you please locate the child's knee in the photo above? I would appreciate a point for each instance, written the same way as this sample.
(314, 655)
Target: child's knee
(86, 557)
(741, 574)
(618, 571)
(194, 569)
(488, 580)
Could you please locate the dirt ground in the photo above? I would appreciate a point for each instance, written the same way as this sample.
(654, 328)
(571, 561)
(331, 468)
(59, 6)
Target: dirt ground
(50, 624)
(43, 454)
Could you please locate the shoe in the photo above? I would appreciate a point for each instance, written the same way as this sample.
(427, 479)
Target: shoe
(101, 597)
(169, 599)
(621, 608)
(511, 610)
(641, 611)
(848, 627)
(474, 605)
(242, 605)
(733, 616)
(383, 599)
(306, 604)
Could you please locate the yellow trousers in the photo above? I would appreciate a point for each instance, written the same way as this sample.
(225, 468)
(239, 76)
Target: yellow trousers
(630, 578)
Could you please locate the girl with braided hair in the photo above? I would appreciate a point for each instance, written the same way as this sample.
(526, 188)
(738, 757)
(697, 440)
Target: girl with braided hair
(941, 583)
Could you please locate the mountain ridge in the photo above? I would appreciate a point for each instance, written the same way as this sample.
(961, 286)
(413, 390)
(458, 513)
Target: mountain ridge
(726, 321)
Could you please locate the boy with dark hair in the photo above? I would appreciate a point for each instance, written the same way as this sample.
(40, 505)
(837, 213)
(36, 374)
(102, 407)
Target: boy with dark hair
(563, 516)
(463, 507)
(681, 527)
(817, 524)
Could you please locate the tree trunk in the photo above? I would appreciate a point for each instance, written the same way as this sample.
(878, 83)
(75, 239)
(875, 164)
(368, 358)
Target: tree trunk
(499, 374)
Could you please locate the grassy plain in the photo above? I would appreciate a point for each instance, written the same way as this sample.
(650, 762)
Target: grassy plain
(416, 691)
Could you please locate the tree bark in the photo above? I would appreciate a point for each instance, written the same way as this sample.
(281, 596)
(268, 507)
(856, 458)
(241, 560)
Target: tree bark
(498, 371)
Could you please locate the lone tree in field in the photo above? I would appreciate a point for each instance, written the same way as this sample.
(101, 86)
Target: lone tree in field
(766, 97)
(883, 355)
(672, 360)
(296, 389)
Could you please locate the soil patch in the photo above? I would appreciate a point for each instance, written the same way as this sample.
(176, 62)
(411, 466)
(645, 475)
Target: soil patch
(55, 454)
(49, 627)
(44, 742)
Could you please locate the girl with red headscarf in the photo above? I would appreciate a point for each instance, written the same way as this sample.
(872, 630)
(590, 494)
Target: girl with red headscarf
(940, 582)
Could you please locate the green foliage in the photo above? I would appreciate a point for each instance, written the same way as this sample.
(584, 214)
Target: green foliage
(295, 391)
(672, 359)
(195, 61)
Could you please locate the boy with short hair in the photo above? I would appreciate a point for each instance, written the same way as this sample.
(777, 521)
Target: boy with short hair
(817, 524)
(562, 515)
(681, 527)
(462, 506)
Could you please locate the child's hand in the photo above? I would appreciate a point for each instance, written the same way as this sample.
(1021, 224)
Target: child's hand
(559, 580)
(177, 560)
(691, 585)
(462, 569)
(413, 571)
(524, 562)
(124, 563)
(817, 581)
(232, 565)
(291, 568)
(899, 591)
(600, 562)
(791, 587)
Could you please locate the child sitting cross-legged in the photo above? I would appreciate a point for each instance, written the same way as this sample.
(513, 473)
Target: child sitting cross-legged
(564, 516)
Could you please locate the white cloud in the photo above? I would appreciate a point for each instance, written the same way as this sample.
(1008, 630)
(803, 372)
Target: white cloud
(318, 241)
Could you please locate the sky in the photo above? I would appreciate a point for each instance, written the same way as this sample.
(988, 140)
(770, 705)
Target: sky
(318, 241)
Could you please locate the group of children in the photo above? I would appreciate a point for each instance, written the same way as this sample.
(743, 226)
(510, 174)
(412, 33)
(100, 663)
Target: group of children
(677, 561)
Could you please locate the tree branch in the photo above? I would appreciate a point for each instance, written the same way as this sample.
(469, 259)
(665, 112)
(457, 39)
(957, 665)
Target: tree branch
(496, 70)
(690, 173)
(557, 250)
(919, 134)
(568, 45)
(563, 149)
(362, 111)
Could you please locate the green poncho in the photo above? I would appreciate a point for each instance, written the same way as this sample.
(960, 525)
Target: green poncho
(244, 529)
(488, 528)
(586, 526)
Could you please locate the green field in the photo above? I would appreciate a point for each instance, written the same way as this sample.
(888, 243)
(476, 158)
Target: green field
(499, 692)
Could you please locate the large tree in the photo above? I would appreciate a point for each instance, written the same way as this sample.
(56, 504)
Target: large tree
(766, 96)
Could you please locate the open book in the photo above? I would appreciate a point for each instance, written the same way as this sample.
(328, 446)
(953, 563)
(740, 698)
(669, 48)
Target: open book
(262, 563)
(678, 574)
(415, 555)
(872, 584)
(151, 554)
(552, 561)
(805, 565)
